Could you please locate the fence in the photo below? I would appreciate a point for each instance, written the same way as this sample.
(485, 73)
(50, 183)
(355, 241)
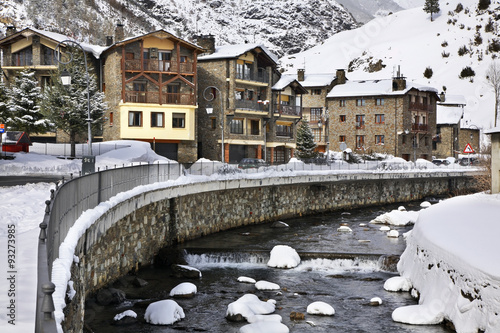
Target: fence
(81, 149)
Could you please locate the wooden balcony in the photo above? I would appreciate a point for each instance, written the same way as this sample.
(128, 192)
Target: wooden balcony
(251, 105)
(288, 110)
(419, 127)
(420, 106)
(163, 66)
(156, 98)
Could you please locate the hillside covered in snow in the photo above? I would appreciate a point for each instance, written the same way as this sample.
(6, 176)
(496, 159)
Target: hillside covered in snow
(285, 26)
(460, 36)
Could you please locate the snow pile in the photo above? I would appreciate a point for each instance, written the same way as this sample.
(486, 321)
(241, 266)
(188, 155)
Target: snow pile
(128, 313)
(245, 279)
(344, 228)
(376, 301)
(264, 326)
(164, 312)
(250, 305)
(451, 258)
(320, 308)
(266, 285)
(399, 217)
(183, 289)
(393, 234)
(397, 283)
(283, 256)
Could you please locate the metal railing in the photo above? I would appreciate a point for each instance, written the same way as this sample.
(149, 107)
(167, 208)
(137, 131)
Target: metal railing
(64, 149)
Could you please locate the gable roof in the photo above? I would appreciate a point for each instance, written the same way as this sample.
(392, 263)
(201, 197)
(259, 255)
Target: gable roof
(383, 87)
(236, 50)
(318, 80)
(95, 50)
(289, 81)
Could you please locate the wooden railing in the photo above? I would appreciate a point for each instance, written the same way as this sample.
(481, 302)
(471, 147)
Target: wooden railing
(288, 110)
(420, 106)
(156, 98)
(419, 127)
(153, 65)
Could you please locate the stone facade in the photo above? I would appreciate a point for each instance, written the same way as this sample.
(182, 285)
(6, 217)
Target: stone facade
(130, 234)
(446, 144)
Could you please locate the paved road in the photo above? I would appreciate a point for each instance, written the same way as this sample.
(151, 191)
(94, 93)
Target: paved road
(22, 180)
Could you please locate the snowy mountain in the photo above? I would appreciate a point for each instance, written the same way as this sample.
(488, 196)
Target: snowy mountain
(285, 26)
(366, 10)
(457, 38)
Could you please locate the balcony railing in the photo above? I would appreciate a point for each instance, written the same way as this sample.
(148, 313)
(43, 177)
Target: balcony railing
(288, 110)
(419, 127)
(154, 98)
(260, 76)
(420, 106)
(286, 134)
(152, 65)
(251, 105)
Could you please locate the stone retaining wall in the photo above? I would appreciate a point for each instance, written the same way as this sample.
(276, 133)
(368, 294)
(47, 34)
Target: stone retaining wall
(130, 234)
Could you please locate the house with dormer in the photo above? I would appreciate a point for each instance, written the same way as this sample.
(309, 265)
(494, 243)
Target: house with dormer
(245, 117)
(389, 116)
(151, 84)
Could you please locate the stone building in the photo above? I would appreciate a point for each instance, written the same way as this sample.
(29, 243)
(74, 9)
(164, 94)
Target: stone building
(237, 108)
(150, 82)
(390, 116)
(35, 50)
(495, 159)
(449, 113)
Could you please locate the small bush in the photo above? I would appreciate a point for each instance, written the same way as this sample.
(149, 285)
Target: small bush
(445, 54)
(461, 26)
(444, 44)
(490, 26)
(483, 4)
(478, 40)
(467, 72)
(463, 50)
(459, 8)
(428, 73)
(494, 45)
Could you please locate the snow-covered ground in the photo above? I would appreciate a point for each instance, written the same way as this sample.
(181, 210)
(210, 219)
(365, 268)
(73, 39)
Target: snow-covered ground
(23, 208)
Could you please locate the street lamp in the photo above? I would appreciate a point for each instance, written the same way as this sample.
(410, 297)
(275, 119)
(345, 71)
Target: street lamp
(325, 116)
(66, 81)
(209, 96)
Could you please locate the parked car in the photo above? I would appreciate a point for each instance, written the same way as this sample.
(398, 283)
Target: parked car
(468, 161)
(248, 163)
(439, 161)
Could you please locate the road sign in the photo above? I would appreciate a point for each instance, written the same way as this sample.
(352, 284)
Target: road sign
(468, 149)
(2, 128)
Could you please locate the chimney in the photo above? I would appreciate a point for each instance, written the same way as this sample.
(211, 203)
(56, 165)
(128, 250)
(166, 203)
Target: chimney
(11, 30)
(109, 40)
(119, 33)
(399, 81)
(340, 76)
(207, 42)
(442, 97)
(301, 73)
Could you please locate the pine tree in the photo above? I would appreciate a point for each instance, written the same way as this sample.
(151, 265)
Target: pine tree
(305, 141)
(67, 107)
(23, 105)
(4, 114)
(431, 6)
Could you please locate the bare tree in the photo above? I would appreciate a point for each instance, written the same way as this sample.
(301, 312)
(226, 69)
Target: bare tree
(493, 79)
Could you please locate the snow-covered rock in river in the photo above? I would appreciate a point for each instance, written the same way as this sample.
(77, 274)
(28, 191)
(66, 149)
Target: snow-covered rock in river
(265, 326)
(393, 234)
(385, 228)
(397, 217)
(245, 279)
(185, 289)
(283, 256)
(425, 204)
(451, 258)
(397, 283)
(186, 271)
(265, 285)
(248, 306)
(320, 308)
(344, 228)
(128, 313)
(164, 312)
(376, 301)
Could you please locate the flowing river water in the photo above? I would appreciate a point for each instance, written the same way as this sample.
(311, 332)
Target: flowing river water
(343, 269)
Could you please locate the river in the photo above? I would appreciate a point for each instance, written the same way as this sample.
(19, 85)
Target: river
(343, 269)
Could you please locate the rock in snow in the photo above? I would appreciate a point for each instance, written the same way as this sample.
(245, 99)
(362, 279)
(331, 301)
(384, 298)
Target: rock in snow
(344, 228)
(376, 301)
(320, 308)
(393, 234)
(128, 313)
(265, 326)
(248, 306)
(283, 256)
(245, 279)
(185, 289)
(164, 312)
(265, 285)
(397, 283)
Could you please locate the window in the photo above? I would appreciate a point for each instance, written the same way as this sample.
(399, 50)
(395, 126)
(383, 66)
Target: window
(47, 56)
(379, 101)
(426, 141)
(316, 134)
(236, 126)
(342, 118)
(342, 102)
(243, 70)
(254, 127)
(360, 102)
(360, 121)
(285, 100)
(316, 114)
(315, 91)
(213, 123)
(110, 119)
(183, 59)
(135, 118)
(178, 120)
(379, 139)
(23, 57)
(157, 119)
(360, 141)
(249, 94)
(238, 94)
(379, 119)
(341, 138)
(284, 130)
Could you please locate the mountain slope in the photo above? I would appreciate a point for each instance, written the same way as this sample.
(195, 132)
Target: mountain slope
(409, 40)
(285, 26)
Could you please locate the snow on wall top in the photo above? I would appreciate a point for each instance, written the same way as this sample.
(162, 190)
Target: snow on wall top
(374, 88)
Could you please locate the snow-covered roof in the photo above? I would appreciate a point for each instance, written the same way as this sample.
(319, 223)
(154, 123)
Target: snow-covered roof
(234, 51)
(454, 100)
(374, 88)
(493, 130)
(448, 114)
(318, 80)
(284, 81)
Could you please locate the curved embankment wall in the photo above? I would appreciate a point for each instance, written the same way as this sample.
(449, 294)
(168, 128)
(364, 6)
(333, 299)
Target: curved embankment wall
(130, 234)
